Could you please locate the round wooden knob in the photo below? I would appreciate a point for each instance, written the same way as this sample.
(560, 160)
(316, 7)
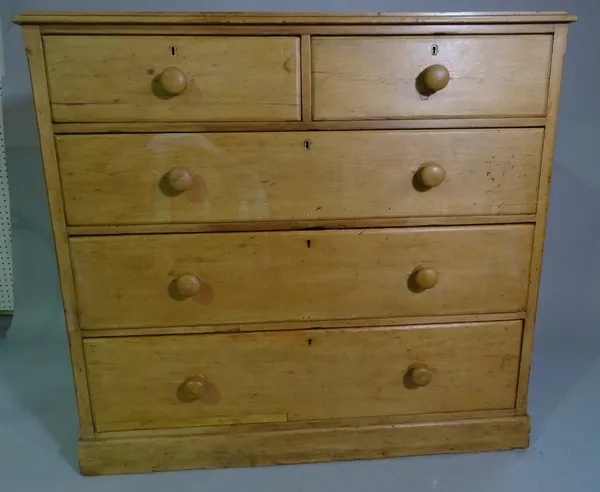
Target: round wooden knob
(195, 387)
(436, 77)
(180, 179)
(425, 278)
(431, 175)
(173, 81)
(188, 284)
(420, 374)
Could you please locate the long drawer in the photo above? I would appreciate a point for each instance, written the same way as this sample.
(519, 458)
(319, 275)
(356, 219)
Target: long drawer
(165, 178)
(404, 77)
(212, 279)
(176, 381)
(173, 78)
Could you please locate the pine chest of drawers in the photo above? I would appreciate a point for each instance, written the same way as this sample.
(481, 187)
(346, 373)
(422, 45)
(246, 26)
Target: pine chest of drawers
(295, 238)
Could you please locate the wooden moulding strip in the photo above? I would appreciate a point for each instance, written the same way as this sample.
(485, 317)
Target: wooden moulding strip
(308, 445)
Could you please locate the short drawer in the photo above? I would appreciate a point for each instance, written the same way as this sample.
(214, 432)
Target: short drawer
(234, 177)
(390, 77)
(173, 78)
(177, 381)
(228, 278)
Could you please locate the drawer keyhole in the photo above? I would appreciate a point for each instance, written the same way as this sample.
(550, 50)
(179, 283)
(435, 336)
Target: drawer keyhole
(173, 50)
(307, 144)
(435, 50)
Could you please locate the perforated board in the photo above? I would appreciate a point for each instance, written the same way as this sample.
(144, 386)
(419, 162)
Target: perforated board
(6, 270)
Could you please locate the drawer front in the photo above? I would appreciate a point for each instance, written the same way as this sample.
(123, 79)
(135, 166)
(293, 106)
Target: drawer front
(219, 78)
(176, 381)
(228, 278)
(149, 178)
(385, 77)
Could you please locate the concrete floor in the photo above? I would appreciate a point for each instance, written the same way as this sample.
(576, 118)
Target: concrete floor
(38, 425)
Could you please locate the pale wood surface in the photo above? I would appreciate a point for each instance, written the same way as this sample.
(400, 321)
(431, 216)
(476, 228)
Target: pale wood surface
(126, 281)
(140, 455)
(136, 382)
(274, 225)
(558, 53)
(306, 77)
(308, 424)
(109, 78)
(296, 29)
(253, 126)
(35, 56)
(195, 398)
(375, 77)
(123, 179)
(303, 324)
(107, 17)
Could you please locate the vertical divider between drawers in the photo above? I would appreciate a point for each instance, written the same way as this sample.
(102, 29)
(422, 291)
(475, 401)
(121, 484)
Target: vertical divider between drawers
(306, 77)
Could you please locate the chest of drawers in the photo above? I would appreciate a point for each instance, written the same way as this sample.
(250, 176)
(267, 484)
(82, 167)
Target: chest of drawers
(296, 238)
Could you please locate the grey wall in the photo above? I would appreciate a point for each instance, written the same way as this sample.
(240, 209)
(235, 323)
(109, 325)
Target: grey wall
(571, 279)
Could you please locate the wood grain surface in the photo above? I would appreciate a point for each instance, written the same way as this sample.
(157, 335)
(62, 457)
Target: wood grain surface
(123, 179)
(128, 281)
(284, 126)
(142, 455)
(377, 77)
(111, 78)
(140, 382)
(37, 66)
(243, 18)
(558, 53)
(289, 238)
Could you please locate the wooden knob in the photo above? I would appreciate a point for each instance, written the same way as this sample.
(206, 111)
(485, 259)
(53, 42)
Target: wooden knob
(436, 77)
(188, 284)
(420, 374)
(431, 175)
(425, 278)
(195, 387)
(180, 179)
(173, 81)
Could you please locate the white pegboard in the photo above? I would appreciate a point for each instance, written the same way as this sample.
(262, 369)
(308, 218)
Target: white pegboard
(6, 270)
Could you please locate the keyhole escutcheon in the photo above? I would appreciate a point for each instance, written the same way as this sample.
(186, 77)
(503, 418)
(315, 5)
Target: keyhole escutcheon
(307, 144)
(173, 50)
(435, 50)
